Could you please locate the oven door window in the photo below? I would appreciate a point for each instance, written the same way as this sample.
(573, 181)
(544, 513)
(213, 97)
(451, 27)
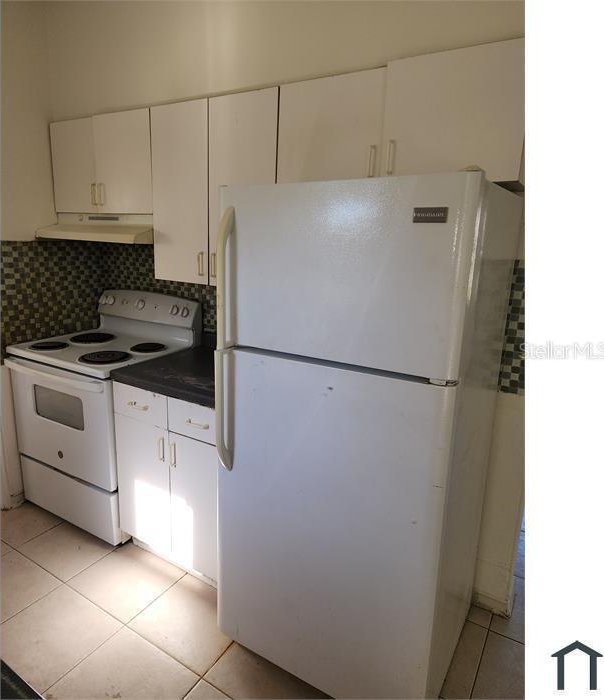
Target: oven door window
(59, 407)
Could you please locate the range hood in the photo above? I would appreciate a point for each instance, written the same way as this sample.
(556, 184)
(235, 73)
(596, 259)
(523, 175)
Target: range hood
(128, 229)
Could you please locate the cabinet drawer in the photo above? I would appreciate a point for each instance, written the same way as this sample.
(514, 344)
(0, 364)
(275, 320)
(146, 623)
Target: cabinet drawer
(142, 405)
(192, 420)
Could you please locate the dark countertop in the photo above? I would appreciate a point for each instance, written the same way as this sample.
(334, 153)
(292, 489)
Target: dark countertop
(187, 375)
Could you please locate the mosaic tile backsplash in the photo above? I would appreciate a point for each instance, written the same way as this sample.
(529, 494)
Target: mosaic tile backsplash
(511, 375)
(52, 287)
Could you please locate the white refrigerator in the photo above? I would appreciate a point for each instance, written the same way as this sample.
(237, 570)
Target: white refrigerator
(360, 328)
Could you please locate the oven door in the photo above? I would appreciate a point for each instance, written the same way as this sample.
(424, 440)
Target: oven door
(65, 420)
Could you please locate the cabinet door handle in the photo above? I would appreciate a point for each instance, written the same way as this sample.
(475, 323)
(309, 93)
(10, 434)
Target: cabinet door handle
(390, 157)
(213, 265)
(203, 426)
(371, 161)
(172, 454)
(137, 406)
(101, 187)
(200, 270)
(93, 194)
(161, 449)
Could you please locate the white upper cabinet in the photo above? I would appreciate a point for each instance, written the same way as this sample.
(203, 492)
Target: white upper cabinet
(179, 136)
(122, 156)
(448, 110)
(103, 163)
(330, 128)
(242, 148)
(73, 165)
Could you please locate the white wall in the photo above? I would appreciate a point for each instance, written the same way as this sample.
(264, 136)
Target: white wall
(106, 56)
(27, 199)
(503, 507)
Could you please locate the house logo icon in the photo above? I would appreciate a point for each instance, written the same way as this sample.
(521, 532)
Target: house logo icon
(593, 661)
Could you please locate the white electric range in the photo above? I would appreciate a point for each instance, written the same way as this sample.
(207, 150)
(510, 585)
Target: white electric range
(63, 402)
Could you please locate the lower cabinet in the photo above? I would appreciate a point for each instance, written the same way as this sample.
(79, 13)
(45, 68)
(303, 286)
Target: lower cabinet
(167, 482)
(143, 481)
(193, 486)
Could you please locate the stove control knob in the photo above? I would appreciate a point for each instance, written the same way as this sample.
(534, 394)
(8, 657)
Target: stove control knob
(185, 312)
(174, 310)
(140, 304)
(110, 300)
(103, 300)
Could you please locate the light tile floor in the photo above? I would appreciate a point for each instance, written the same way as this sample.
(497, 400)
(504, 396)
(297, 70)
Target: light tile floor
(82, 619)
(489, 659)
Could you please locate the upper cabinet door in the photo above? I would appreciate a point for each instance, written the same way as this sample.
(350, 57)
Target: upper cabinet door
(179, 135)
(122, 151)
(242, 148)
(331, 128)
(448, 110)
(73, 165)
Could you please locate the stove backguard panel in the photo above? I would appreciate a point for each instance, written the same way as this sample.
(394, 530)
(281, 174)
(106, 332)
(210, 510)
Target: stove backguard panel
(53, 287)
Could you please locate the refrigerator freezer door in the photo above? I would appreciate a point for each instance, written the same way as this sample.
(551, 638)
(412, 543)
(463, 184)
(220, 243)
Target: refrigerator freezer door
(339, 270)
(330, 521)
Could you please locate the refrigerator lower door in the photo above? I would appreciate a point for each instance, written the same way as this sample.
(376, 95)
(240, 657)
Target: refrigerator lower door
(330, 521)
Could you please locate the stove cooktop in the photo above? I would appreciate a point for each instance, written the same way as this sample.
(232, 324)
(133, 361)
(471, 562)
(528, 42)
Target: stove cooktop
(134, 326)
(96, 358)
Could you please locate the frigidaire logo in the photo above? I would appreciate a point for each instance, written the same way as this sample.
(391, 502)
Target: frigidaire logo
(593, 663)
(430, 215)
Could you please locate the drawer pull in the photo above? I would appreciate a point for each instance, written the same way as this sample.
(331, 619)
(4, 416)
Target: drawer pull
(137, 406)
(203, 426)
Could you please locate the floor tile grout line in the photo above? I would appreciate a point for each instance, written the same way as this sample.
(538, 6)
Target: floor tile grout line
(217, 660)
(212, 684)
(505, 636)
(142, 610)
(182, 697)
(479, 623)
(100, 607)
(23, 554)
(84, 658)
(214, 664)
(484, 646)
(16, 546)
(56, 588)
(182, 663)
(52, 527)
(163, 651)
(96, 605)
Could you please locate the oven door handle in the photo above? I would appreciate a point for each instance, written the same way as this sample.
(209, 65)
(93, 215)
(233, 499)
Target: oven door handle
(51, 376)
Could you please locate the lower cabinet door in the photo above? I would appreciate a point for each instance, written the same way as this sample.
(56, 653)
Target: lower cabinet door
(193, 482)
(144, 482)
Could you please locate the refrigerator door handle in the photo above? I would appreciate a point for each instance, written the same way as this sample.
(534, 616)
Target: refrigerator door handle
(226, 459)
(224, 231)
